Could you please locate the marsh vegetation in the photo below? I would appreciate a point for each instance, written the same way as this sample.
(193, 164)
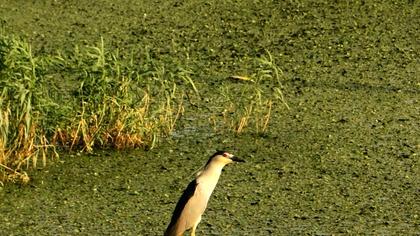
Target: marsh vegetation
(107, 100)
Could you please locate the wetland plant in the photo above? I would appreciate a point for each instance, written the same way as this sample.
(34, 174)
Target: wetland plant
(24, 102)
(258, 95)
(92, 97)
(80, 100)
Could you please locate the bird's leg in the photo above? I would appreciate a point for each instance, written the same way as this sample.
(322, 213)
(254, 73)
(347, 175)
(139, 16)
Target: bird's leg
(193, 230)
(195, 226)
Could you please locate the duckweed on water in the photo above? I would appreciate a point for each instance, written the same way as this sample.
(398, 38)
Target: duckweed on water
(344, 159)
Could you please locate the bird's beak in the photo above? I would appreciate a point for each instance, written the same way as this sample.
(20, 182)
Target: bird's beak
(237, 159)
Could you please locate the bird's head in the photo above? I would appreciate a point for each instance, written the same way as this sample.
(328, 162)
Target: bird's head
(224, 158)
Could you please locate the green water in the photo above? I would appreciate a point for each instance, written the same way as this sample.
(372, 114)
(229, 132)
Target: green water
(344, 160)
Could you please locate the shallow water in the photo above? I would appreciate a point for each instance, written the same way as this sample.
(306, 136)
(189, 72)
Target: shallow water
(352, 175)
(343, 160)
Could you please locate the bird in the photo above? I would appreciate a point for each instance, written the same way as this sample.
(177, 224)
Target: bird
(194, 199)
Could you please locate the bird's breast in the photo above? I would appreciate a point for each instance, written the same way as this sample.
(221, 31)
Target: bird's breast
(207, 183)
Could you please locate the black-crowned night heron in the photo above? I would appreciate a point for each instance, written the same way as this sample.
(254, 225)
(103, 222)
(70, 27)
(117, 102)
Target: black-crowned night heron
(193, 201)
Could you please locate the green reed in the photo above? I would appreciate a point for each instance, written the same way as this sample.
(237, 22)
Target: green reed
(251, 99)
(79, 100)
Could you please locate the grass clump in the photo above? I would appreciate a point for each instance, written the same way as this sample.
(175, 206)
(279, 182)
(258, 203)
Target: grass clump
(117, 103)
(91, 97)
(106, 100)
(24, 102)
(249, 105)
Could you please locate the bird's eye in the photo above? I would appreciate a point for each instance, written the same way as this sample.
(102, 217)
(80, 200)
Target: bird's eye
(225, 154)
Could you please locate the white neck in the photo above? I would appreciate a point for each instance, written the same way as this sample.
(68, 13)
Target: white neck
(209, 177)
